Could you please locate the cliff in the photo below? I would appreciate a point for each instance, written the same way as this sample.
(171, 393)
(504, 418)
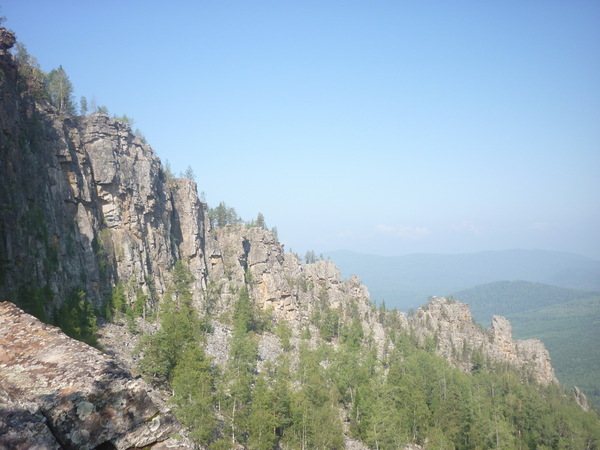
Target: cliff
(458, 338)
(85, 205)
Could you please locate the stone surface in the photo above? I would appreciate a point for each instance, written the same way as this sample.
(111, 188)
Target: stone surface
(7, 39)
(21, 429)
(78, 392)
(581, 399)
(457, 335)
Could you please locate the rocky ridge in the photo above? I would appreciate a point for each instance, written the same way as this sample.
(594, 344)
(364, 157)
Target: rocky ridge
(457, 336)
(86, 204)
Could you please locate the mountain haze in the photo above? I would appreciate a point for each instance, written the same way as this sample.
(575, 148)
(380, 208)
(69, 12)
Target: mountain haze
(406, 281)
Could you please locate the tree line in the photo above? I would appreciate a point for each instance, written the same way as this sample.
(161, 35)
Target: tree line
(56, 88)
(339, 386)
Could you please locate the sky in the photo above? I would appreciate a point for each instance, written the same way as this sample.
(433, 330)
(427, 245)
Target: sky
(382, 127)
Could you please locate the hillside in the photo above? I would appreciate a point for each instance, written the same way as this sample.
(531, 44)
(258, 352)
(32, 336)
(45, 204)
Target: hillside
(406, 281)
(566, 320)
(571, 332)
(508, 298)
(248, 346)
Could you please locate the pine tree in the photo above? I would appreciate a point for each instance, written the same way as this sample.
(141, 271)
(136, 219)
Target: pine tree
(60, 90)
(83, 105)
(193, 385)
(180, 325)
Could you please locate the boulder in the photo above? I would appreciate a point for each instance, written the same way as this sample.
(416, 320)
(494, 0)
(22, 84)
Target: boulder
(82, 396)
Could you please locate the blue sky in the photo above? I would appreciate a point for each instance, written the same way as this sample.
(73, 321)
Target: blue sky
(386, 127)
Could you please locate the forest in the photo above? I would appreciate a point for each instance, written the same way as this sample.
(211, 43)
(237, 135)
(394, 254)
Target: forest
(315, 395)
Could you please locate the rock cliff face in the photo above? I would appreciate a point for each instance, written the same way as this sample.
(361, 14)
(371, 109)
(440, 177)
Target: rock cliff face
(61, 393)
(85, 204)
(458, 337)
(279, 281)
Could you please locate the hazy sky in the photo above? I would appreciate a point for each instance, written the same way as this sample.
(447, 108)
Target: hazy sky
(386, 127)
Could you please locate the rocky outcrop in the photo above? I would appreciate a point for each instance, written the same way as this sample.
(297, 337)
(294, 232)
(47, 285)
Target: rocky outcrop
(458, 337)
(253, 257)
(61, 393)
(581, 399)
(85, 204)
(7, 40)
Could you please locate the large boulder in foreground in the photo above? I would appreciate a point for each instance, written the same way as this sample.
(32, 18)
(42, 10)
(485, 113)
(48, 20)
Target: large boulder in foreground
(56, 392)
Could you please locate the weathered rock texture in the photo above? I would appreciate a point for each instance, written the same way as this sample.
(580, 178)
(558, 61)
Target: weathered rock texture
(85, 203)
(251, 256)
(64, 393)
(457, 337)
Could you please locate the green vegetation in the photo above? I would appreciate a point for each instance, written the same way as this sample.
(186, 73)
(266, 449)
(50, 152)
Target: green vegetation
(505, 298)
(34, 300)
(60, 91)
(412, 395)
(77, 318)
(565, 320)
(571, 332)
(223, 215)
(31, 77)
(258, 222)
(311, 257)
(180, 328)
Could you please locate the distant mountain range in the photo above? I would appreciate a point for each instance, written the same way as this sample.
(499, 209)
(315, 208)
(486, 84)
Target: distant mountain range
(407, 281)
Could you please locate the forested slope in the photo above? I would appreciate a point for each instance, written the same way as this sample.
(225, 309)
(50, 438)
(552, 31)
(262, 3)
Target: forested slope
(566, 320)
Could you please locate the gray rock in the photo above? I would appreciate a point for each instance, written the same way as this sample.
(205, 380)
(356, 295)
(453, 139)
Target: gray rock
(7, 39)
(458, 336)
(581, 399)
(85, 397)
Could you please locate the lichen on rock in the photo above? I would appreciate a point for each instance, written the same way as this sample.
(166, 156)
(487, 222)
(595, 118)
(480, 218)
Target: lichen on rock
(80, 394)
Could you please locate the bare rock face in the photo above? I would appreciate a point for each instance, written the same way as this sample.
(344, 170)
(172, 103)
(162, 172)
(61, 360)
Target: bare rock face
(457, 336)
(85, 204)
(242, 255)
(581, 399)
(7, 39)
(67, 394)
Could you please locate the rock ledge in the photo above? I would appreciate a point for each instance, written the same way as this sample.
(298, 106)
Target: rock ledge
(56, 392)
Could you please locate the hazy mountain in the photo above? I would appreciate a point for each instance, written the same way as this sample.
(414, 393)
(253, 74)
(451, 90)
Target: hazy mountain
(507, 298)
(406, 281)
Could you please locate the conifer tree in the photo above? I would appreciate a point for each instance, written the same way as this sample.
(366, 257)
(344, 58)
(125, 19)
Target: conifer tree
(60, 90)
(193, 385)
(180, 325)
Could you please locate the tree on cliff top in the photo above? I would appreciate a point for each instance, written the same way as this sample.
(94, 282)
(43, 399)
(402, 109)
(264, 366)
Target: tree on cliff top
(60, 90)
